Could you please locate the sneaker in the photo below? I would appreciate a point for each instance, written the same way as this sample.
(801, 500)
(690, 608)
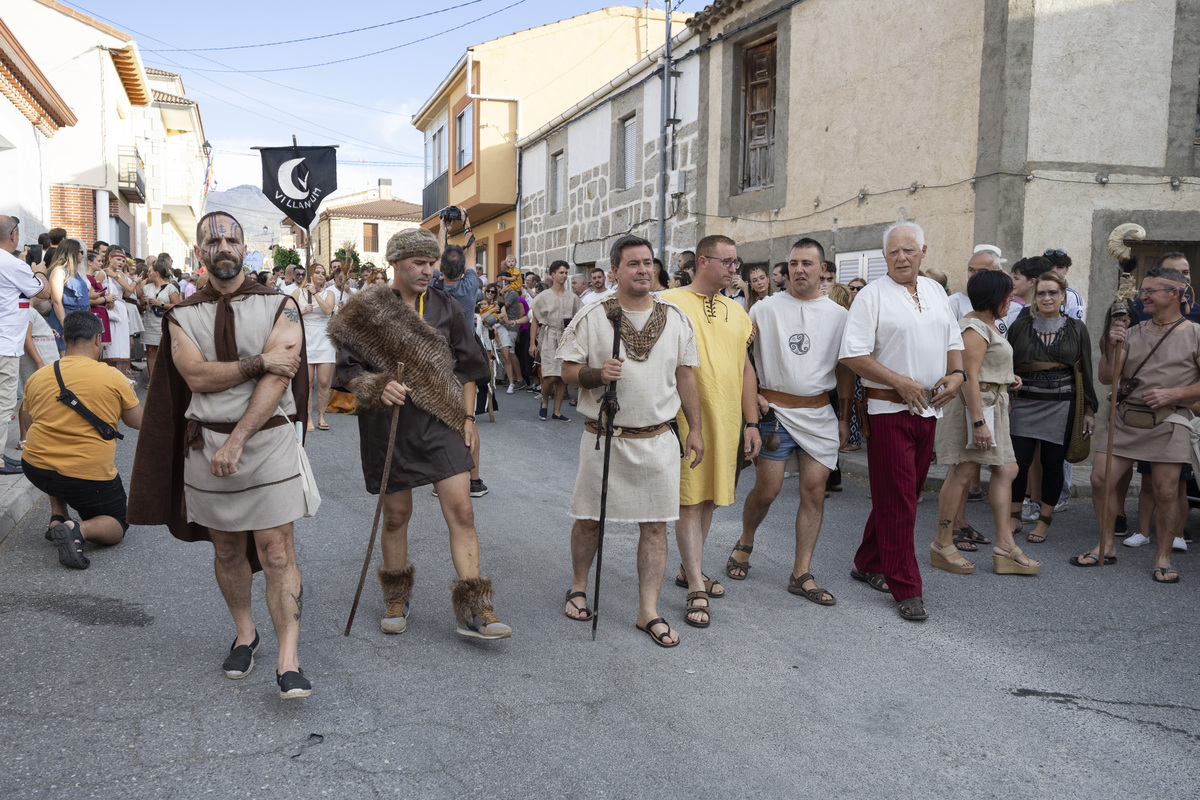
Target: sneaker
(542, 413)
(395, 617)
(510, 389)
(241, 659)
(1030, 511)
(1120, 526)
(1061, 505)
(486, 625)
(293, 685)
(1179, 544)
(1137, 540)
(478, 487)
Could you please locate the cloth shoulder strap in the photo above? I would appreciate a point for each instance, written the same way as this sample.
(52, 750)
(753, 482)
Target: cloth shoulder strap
(1156, 346)
(67, 397)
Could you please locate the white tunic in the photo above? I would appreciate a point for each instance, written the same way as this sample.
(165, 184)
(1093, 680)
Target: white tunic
(796, 351)
(643, 483)
(886, 323)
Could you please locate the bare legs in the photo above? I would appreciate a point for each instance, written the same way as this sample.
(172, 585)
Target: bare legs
(767, 483)
(651, 565)
(553, 385)
(103, 530)
(285, 592)
(321, 376)
(151, 354)
(512, 367)
(691, 529)
(455, 498)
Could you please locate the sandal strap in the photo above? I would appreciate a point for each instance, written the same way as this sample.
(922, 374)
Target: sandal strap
(745, 548)
(1045, 520)
(697, 596)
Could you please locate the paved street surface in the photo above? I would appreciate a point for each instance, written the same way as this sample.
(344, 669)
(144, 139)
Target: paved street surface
(1075, 683)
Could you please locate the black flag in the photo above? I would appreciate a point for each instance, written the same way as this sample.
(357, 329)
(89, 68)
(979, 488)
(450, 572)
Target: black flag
(297, 179)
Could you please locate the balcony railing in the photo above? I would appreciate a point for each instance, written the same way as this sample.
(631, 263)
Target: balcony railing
(435, 196)
(131, 175)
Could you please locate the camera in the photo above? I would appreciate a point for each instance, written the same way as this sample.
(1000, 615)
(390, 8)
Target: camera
(450, 214)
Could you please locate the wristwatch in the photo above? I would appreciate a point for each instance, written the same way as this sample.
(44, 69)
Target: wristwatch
(959, 371)
(752, 425)
(977, 423)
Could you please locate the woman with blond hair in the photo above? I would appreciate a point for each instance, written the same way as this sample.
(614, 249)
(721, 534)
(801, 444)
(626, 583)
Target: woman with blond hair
(317, 300)
(758, 285)
(69, 286)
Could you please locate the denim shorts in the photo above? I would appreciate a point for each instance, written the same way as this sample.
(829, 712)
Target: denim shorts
(787, 445)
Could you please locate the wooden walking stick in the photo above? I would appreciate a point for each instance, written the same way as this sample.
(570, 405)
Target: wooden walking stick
(1120, 311)
(608, 409)
(387, 468)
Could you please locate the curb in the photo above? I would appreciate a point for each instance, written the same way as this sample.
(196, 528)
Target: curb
(17, 497)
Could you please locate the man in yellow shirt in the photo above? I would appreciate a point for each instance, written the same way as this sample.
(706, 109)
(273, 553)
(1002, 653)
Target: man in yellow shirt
(65, 455)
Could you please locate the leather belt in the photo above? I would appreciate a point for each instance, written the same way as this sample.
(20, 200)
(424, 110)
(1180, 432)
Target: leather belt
(194, 441)
(890, 395)
(785, 400)
(648, 432)
(1038, 366)
(988, 387)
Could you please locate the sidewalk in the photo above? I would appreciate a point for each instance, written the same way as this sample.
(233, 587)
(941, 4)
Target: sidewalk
(17, 494)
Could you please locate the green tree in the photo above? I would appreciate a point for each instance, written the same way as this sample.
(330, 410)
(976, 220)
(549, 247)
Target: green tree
(340, 255)
(286, 257)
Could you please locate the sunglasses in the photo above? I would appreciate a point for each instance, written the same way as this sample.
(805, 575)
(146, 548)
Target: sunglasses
(1047, 293)
(854, 288)
(1055, 252)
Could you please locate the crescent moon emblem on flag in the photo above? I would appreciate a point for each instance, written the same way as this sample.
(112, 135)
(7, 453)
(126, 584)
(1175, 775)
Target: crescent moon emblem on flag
(285, 179)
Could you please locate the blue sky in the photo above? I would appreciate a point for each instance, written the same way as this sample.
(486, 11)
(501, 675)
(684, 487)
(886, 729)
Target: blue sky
(364, 104)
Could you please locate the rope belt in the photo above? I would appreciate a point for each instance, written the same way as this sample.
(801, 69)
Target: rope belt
(648, 432)
(194, 441)
(785, 400)
(991, 387)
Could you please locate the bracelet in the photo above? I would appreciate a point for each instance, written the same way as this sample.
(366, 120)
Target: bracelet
(977, 423)
(959, 371)
(470, 417)
(752, 425)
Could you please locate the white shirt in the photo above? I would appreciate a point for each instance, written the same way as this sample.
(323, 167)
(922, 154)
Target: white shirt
(16, 279)
(590, 297)
(1076, 306)
(960, 304)
(886, 324)
(796, 351)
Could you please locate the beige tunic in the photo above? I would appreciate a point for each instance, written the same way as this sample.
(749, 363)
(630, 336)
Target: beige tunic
(997, 368)
(550, 311)
(1176, 363)
(643, 482)
(265, 491)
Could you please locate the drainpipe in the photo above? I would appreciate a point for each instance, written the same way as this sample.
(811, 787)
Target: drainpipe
(517, 137)
(665, 115)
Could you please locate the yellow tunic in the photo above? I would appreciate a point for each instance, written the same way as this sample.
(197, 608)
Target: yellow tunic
(723, 332)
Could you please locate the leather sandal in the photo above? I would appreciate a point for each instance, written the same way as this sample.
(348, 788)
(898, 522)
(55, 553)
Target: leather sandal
(69, 543)
(912, 609)
(969, 534)
(659, 639)
(1033, 538)
(816, 594)
(692, 606)
(709, 583)
(873, 579)
(575, 596)
(733, 563)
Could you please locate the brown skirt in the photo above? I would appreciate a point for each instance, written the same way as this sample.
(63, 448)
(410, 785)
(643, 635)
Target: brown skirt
(427, 450)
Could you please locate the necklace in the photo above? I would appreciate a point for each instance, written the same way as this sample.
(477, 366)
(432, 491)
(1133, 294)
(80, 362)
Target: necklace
(1161, 326)
(1048, 325)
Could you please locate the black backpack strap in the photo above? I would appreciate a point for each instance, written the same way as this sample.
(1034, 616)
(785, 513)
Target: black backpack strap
(67, 397)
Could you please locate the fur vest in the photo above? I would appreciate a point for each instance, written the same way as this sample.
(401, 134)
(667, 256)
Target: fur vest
(384, 331)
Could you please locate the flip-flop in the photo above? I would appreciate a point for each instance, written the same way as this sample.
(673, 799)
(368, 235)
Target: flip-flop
(322, 426)
(1163, 571)
(658, 640)
(65, 540)
(1095, 557)
(573, 595)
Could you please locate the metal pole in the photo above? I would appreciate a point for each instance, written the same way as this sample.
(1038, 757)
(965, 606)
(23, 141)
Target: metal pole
(665, 115)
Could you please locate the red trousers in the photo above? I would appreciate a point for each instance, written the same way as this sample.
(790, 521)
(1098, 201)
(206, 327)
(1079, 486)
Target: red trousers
(899, 450)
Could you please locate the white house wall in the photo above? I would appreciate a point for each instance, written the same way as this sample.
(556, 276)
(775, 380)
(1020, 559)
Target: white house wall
(588, 141)
(24, 190)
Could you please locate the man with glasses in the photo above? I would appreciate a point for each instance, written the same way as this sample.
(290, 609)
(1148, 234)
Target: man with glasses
(1164, 352)
(725, 379)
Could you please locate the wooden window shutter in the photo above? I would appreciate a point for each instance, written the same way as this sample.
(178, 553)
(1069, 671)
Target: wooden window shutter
(371, 237)
(758, 104)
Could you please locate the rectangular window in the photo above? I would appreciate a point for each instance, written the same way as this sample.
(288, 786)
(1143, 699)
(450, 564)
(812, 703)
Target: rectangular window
(558, 182)
(463, 138)
(440, 159)
(758, 117)
(481, 259)
(865, 264)
(629, 152)
(371, 237)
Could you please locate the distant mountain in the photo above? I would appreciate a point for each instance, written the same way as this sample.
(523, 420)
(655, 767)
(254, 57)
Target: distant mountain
(249, 206)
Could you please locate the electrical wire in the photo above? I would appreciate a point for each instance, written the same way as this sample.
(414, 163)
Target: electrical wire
(364, 55)
(312, 38)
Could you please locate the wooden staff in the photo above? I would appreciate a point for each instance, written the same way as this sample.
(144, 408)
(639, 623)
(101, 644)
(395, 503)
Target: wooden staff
(387, 468)
(1107, 521)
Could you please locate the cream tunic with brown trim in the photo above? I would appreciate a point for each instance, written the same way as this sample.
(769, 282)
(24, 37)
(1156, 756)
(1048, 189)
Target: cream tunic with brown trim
(265, 492)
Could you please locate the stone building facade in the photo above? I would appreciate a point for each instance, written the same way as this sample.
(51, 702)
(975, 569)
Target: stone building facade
(591, 175)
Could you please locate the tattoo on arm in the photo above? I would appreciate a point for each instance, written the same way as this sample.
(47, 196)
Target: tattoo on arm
(292, 314)
(299, 598)
(252, 367)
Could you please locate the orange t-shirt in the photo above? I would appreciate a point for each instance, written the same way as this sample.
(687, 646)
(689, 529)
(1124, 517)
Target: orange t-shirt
(60, 439)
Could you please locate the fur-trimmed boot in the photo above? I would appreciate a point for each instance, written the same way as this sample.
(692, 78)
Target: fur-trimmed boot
(472, 598)
(397, 587)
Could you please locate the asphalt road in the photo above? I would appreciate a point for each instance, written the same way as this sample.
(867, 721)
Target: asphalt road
(1074, 683)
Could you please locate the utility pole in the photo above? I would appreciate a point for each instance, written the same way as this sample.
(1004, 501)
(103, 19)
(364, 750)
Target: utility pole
(664, 121)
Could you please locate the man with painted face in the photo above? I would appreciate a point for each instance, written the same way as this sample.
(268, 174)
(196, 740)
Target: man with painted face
(423, 327)
(218, 458)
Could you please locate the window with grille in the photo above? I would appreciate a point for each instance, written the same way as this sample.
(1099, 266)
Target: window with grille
(758, 116)
(371, 237)
(463, 136)
(558, 182)
(865, 264)
(629, 152)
